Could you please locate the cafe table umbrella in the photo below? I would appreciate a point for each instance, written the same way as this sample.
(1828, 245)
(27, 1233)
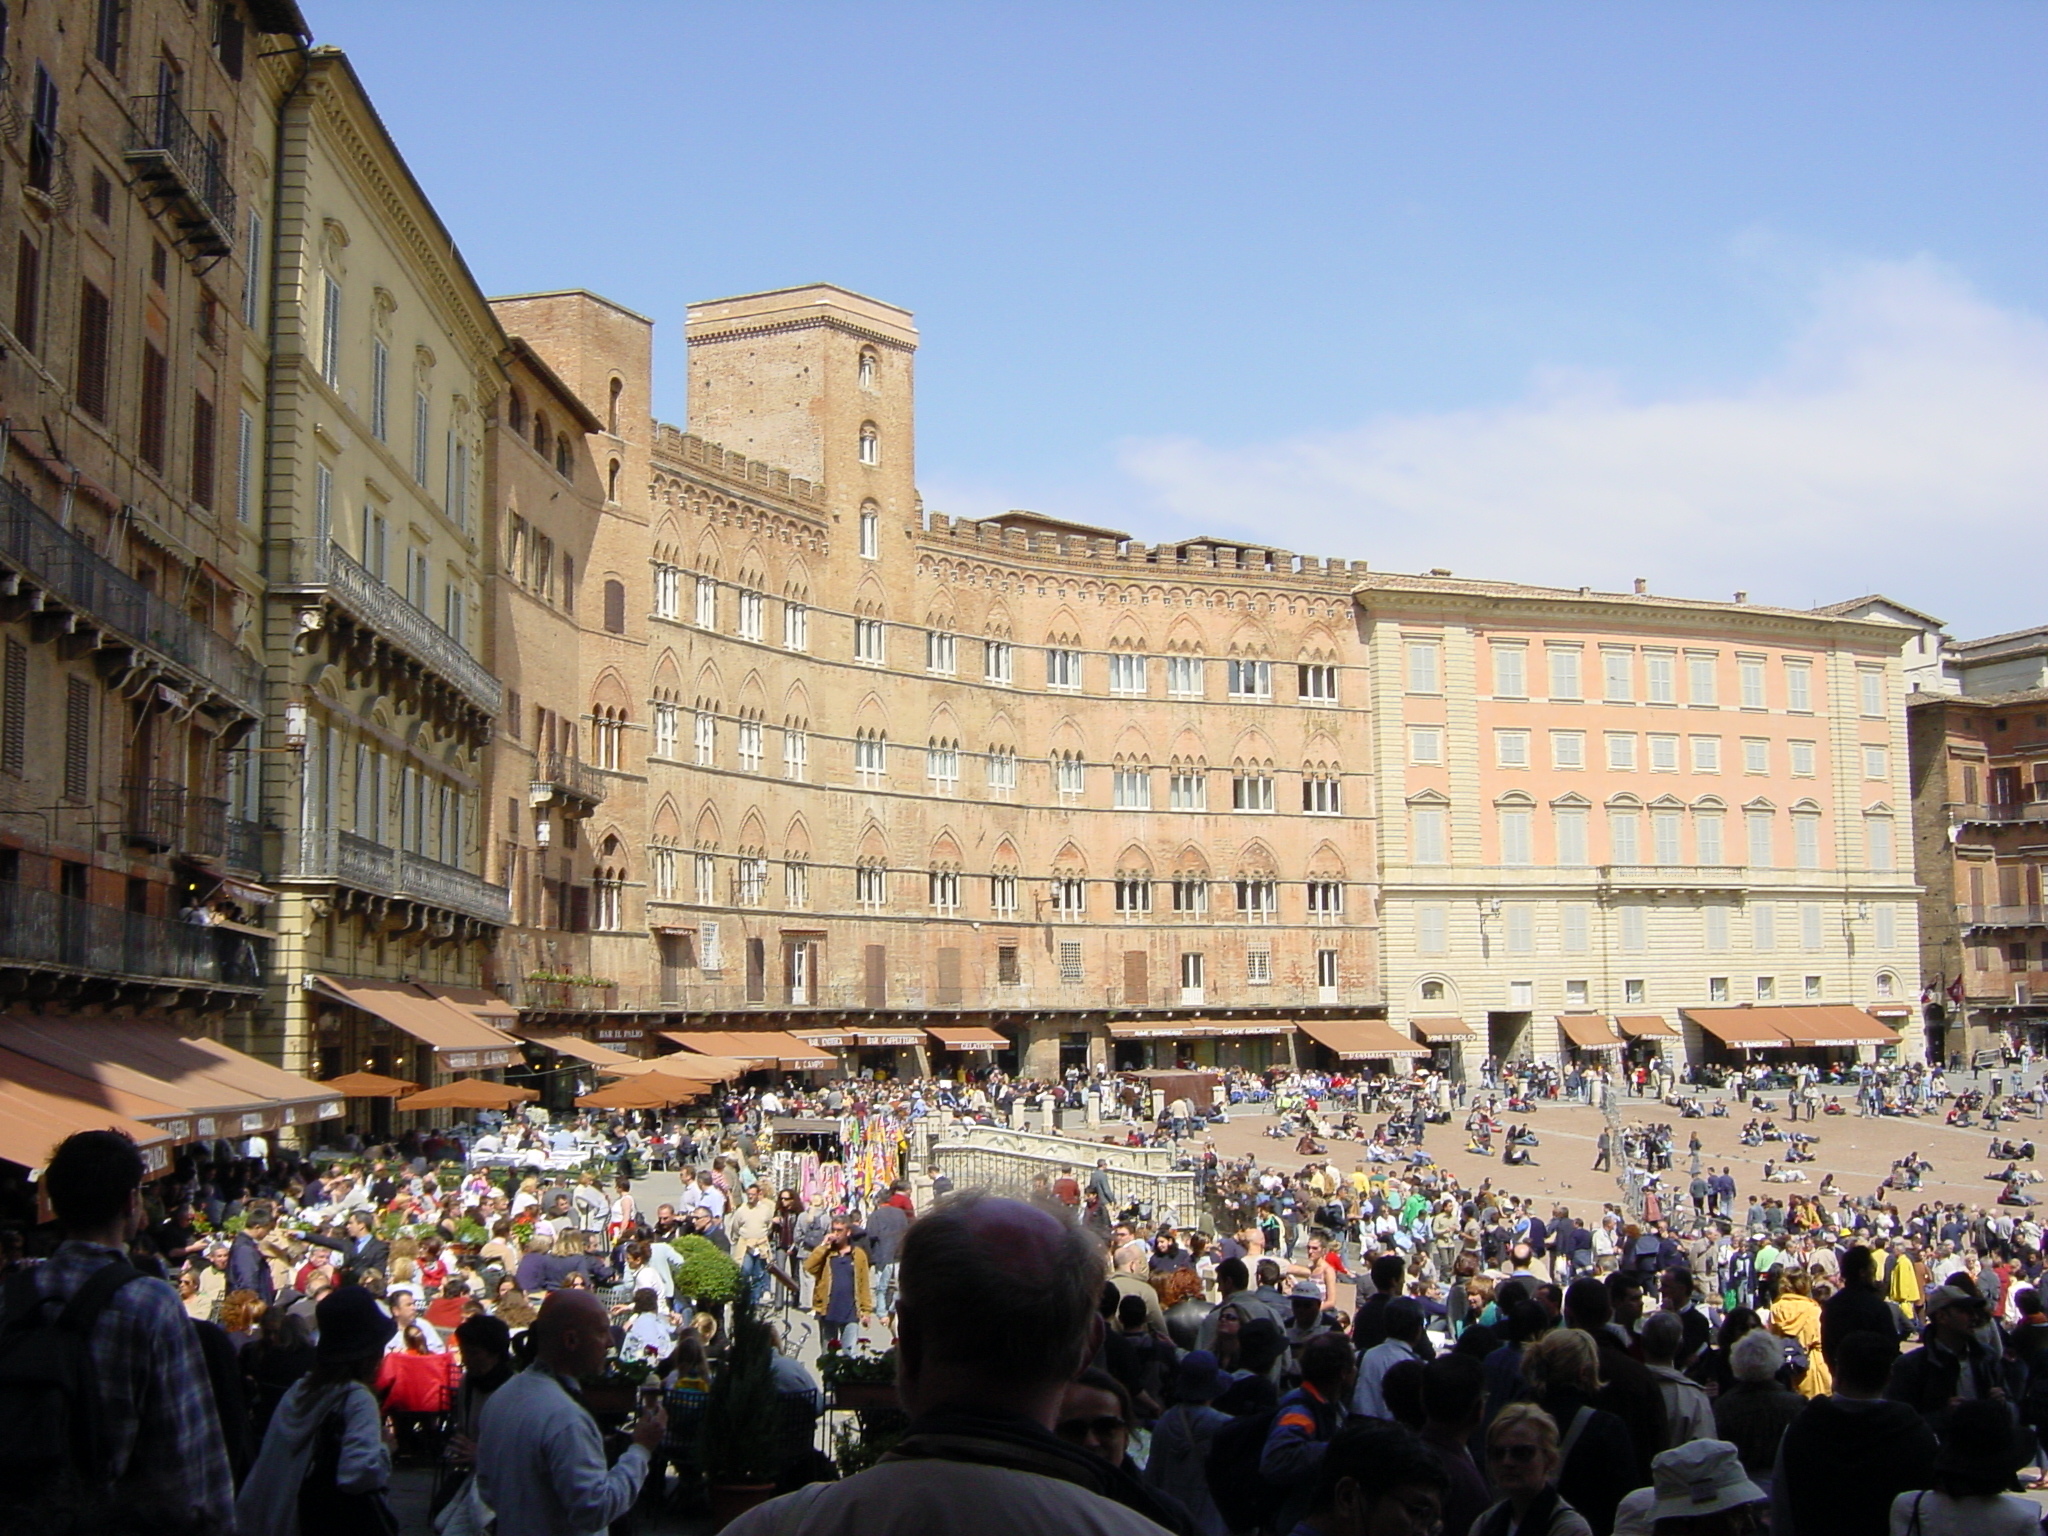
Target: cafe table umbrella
(471, 1093)
(652, 1090)
(370, 1085)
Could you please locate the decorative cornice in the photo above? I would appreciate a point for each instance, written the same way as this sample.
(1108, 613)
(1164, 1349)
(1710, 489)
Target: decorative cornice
(743, 330)
(340, 115)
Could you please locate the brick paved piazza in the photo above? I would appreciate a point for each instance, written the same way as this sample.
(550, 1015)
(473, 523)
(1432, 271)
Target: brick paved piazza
(1857, 1151)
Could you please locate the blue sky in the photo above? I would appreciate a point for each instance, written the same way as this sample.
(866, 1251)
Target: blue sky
(1724, 295)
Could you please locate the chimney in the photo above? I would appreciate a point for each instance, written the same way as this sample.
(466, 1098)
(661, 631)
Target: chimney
(1742, 597)
(1642, 585)
(1438, 570)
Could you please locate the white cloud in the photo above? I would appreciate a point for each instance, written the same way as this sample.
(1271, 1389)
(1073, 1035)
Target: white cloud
(1900, 445)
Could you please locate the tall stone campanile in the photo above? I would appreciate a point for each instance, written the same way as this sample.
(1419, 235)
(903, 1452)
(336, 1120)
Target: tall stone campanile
(818, 381)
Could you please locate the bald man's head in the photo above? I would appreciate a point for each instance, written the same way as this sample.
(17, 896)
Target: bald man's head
(572, 1333)
(997, 1292)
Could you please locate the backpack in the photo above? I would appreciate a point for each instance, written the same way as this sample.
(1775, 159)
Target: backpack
(1244, 1498)
(51, 1458)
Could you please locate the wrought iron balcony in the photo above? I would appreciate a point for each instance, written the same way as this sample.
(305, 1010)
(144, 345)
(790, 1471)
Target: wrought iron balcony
(567, 781)
(54, 932)
(330, 571)
(174, 161)
(39, 557)
(166, 817)
(348, 859)
(245, 844)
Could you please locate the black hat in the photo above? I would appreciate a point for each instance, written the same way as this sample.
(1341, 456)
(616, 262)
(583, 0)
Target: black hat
(351, 1324)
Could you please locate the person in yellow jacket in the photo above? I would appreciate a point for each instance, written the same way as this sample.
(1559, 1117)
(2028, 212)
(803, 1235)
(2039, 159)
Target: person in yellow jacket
(843, 1298)
(1795, 1315)
(1902, 1279)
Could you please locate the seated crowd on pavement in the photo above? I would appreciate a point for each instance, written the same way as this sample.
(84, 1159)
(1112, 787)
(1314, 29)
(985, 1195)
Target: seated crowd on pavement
(1373, 1348)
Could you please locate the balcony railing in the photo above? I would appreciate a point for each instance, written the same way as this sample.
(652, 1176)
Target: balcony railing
(373, 604)
(59, 562)
(163, 815)
(556, 775)
(43, 928)
(2006, 810)
(351, 860)
(2004, 916)
(245, 844)
(175, 161)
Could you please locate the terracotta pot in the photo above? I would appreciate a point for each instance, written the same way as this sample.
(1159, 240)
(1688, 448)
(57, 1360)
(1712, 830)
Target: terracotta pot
(731, 1500)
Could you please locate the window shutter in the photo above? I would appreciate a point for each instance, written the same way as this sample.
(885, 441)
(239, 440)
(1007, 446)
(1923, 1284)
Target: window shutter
(757, 970)
(875, 975)
(14, 729)
(78, 739)
(28, 288)
(205, 440)
(949, 976)
(1135, 978)
(579, 909)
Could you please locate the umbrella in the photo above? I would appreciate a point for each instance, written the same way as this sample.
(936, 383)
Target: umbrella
(471, 1093)
(370, 1085)
(686, 1064)
(655, 1090)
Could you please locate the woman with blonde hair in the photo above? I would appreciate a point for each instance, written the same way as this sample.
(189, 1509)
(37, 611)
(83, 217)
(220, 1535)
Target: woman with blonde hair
(1596, 1451)
(1523, 1457)
(1795, 1315)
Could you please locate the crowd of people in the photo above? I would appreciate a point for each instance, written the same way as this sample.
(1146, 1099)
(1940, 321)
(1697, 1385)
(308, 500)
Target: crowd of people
(1382, 1348)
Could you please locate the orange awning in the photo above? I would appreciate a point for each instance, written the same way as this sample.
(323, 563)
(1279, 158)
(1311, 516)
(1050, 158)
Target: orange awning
(1747, 1028)
(966, 1037)
(578, 1047)
(1646, 1026)
(764, 1047)
(704, 1069)
(225, 1092)
(655, 1090)
(1442, 1026)
(1589, 1031)
(1362, 1039)
(370, 1085)
(459, 1038)
(40, 1106)
(1832, 1024)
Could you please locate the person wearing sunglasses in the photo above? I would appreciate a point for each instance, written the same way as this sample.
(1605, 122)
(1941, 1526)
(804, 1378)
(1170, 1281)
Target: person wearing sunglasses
(1522, 1460)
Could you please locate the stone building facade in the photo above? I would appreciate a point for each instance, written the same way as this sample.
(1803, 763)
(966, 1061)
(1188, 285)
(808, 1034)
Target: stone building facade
(1980, 822)
(1607, 818)
(137, 158)
(1084, 800)
(385, 368)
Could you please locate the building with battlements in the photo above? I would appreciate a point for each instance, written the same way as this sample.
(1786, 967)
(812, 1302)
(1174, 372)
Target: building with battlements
(1024, 788)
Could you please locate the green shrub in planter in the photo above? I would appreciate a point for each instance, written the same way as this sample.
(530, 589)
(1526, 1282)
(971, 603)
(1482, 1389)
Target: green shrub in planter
(709, 1275)
(740, 1418)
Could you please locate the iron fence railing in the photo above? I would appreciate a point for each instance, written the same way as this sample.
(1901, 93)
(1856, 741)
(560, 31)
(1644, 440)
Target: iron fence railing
(48, 929)
(166, 816)
(353, 860)
(558, 772)
(245, 844)
(372, 602)
(175, 160)
(60, 562)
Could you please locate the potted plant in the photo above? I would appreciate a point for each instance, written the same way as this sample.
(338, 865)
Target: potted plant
(709, 1276)
(740, 1420)
(858, 1380)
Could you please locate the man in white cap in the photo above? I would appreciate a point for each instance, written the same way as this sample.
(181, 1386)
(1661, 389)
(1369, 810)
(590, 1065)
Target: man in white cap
(1700, 1490)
